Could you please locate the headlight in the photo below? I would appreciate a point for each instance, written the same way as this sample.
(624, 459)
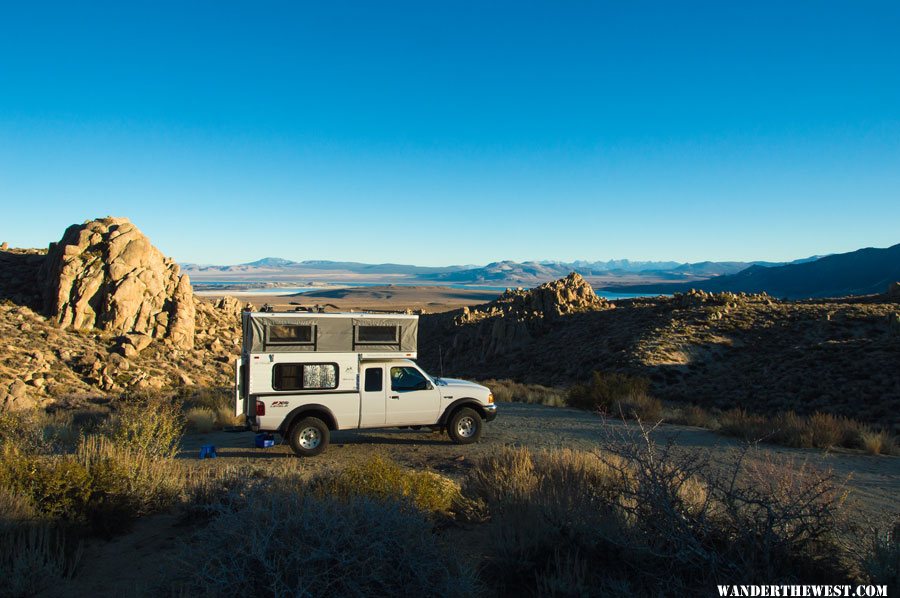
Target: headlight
(490, 398)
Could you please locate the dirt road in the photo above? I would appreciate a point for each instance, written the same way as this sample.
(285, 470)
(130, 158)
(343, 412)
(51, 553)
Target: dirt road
(874, 481)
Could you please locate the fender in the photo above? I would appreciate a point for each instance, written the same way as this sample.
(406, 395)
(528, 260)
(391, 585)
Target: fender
(328, 418)
(465, 401)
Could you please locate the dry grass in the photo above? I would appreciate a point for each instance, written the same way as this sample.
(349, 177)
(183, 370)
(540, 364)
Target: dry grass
(200, 420)
(380, 477)
(618, 395)
(509, 391)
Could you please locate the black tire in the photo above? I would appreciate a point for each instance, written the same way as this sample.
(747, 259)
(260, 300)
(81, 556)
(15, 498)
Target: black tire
(309, 437)
(465, 426)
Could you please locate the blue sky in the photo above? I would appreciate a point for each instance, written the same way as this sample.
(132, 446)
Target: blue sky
(455, 132)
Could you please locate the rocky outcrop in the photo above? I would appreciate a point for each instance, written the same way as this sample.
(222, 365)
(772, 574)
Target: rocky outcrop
(550, 300)
(106, 274)
(695, 298)
(508, 324)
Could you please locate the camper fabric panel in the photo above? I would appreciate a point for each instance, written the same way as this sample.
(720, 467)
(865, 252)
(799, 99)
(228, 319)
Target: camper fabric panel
(332, 334)
(258, 330)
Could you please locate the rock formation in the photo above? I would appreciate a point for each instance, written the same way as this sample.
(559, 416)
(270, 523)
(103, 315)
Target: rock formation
(511, 322)
(105, 274)
(550, 300)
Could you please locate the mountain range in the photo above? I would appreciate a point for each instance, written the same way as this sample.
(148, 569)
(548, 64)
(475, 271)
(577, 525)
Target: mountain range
(861, 272)
(499, 273)
(864, 271)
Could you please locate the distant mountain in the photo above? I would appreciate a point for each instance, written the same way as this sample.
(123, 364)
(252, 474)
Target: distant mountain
(507, 272)
(269, 262)
(862, 272)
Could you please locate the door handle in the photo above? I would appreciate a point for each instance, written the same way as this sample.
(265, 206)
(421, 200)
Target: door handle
(395, 396)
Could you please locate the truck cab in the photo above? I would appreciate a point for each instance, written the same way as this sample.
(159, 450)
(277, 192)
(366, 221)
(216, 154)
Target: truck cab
(304, 375)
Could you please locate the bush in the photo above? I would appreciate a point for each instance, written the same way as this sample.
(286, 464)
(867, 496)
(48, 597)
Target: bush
(383, 479)
(618, 395)
(151, 424)
(877, 443)
(58, 486)
(565, 520)
(302, 545)
(200, 419)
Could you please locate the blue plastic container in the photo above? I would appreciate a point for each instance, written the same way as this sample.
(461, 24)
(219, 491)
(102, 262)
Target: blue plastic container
(265, 441)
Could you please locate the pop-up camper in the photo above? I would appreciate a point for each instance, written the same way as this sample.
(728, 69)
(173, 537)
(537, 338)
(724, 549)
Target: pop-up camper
(303, 375)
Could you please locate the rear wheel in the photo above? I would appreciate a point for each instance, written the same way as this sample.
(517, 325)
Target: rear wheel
(464, 426)
(309, 437)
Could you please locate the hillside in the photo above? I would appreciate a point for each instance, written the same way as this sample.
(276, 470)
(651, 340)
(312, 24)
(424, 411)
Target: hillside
(716, 350)
(862, 272)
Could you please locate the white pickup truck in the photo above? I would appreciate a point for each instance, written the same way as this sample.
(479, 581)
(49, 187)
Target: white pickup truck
(303, 375)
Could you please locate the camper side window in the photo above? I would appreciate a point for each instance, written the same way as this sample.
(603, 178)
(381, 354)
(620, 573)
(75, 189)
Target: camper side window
(378, 335)
(304, 376)
(290, 334)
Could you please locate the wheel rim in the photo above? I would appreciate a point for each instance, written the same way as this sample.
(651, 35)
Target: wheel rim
(466, 426)
(309, 438)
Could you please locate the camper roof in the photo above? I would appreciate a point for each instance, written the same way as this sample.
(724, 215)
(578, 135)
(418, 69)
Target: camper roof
(351, 332)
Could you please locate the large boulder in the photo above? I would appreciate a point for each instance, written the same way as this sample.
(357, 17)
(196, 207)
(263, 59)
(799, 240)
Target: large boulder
(106, 274)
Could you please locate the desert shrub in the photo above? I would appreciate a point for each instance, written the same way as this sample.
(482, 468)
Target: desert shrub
(383, 479)
(33, 558)
(877, 442)
(509, 391)
(126, 484)
(200, 419)
(741, 424)
(826, 430)
(28, 431)
(151, 424)
(694, 415)
(616, 394)
(303, 545)
(578, 520)
(57, 486)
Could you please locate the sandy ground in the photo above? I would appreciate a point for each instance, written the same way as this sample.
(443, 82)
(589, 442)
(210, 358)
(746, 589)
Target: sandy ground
(431, 299)
(130, 564)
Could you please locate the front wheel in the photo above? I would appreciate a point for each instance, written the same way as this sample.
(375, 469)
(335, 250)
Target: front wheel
(464, 426)
(309, 437)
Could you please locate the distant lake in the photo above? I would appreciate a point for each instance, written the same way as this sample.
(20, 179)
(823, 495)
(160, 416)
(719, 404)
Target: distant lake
(205, 288)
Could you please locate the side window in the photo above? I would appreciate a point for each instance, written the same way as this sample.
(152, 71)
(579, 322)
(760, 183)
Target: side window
(304, 376)
(289, 334)
(375, 335)
(374, 379)
(407, 378)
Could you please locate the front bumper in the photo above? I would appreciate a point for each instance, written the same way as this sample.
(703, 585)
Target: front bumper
(490, 413)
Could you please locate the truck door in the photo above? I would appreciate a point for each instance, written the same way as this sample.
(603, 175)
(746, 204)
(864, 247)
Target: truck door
(373, 391)
(412, 399)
